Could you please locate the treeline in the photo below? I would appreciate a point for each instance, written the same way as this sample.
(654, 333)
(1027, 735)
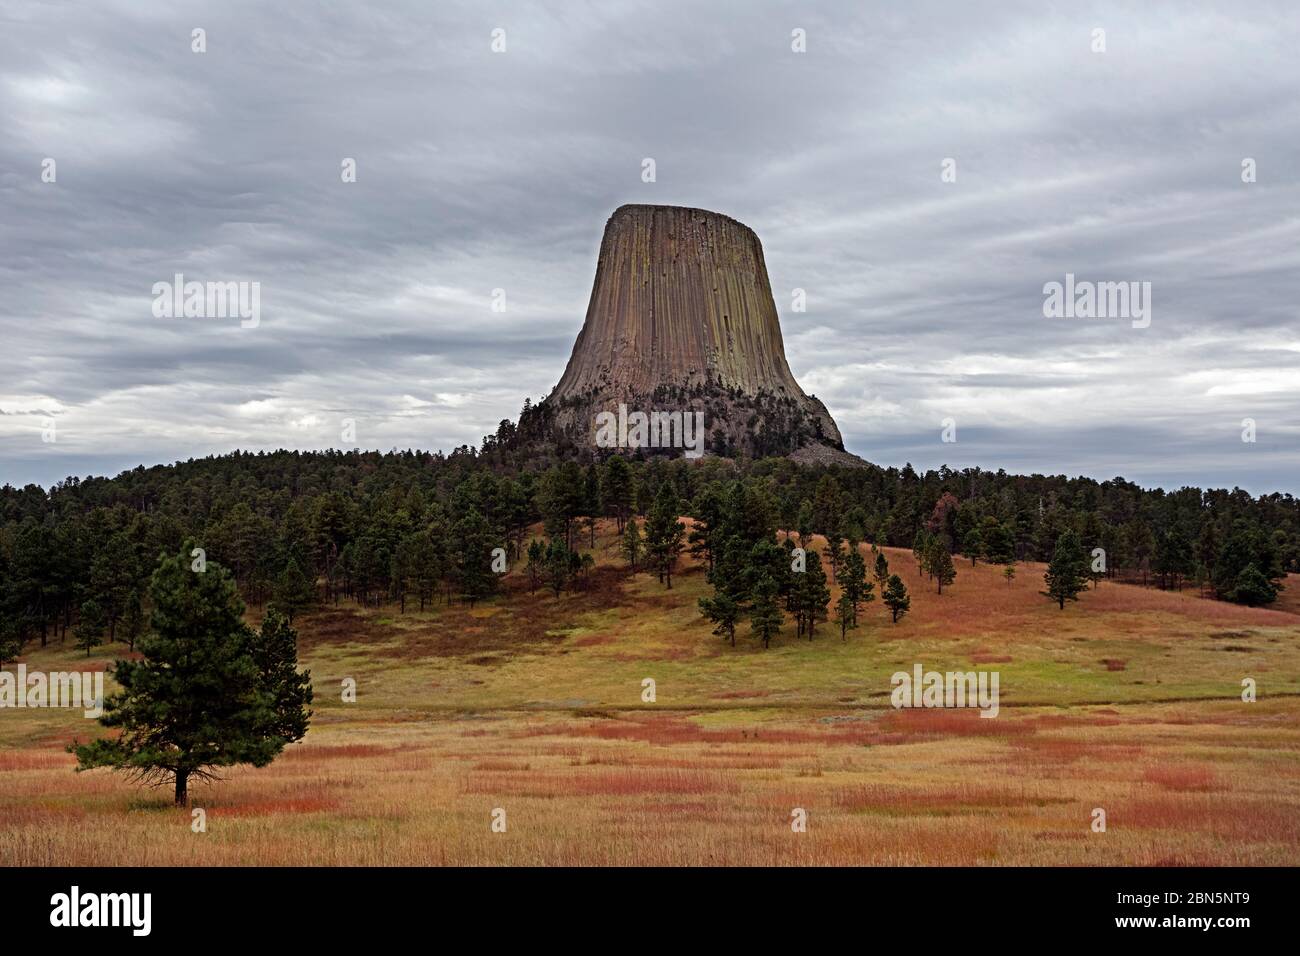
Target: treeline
(299, 528)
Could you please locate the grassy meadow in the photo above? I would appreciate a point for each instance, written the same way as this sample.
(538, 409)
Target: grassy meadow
(1129, 701)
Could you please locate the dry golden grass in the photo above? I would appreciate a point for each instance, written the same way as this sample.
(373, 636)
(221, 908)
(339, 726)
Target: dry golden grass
(533, 705)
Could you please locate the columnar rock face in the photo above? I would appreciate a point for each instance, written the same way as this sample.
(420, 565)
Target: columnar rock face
(682, 317)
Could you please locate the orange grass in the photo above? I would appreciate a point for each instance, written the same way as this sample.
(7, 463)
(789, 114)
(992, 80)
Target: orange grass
(533, 707)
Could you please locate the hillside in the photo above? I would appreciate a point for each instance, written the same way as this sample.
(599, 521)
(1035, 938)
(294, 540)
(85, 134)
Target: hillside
(1128, 700)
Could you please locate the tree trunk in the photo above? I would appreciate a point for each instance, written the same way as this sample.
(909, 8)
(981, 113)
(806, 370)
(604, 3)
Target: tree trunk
(182, 788)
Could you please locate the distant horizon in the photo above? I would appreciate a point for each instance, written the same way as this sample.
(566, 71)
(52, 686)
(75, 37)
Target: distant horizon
(110, 472)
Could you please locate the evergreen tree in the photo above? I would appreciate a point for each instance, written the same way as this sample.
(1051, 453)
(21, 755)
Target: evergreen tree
(939, 563)
(1207, 548)
(828, 504)
(706, 534)
(293, 591)
(616, 490)
(854, 581)
(725, 607)
(401, 573)
(881, 572)
(1009, 572)
(811, 595)
(1173, 560)
(1245, 547)
(132, 624)
(972, 544)
(274, 649)
(91, 626)
(591, 503)
(846, 615)
(1066, 574)
(765, 613)
(999, 542)
(425, 565)
(664, 534)
(1252, 588)
(920, 551)
(474, 574)
(724, 612)
(199, 699)
(633, 547)
(559, 565)
(834, 552)
(854, 528)
(536, 564)
(804, 522)
(560, 500)
(1142, 543)
(896, 597)
(113, 575)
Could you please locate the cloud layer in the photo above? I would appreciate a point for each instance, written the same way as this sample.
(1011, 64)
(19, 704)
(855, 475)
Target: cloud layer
(479, 171)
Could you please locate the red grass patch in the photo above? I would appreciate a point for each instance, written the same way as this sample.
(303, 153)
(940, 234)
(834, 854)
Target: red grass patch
(885, 798)
(1183, 779)
(1250, 820)
(952, 722)
(34, 760)
(1053, 749)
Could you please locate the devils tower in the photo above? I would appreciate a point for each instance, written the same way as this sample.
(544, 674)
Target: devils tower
(681, 318)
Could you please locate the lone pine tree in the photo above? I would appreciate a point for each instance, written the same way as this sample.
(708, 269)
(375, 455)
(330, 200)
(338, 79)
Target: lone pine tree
(209, 691)
(1066, 575)
(939, 563)
(896, 598)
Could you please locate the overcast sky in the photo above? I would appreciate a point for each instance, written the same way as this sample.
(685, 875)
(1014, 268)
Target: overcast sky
(479, 170)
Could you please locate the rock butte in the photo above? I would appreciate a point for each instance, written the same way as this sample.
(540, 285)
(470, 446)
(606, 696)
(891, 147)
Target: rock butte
(681, 316)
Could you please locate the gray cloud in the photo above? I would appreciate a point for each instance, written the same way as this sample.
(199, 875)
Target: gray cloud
(479, 171)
